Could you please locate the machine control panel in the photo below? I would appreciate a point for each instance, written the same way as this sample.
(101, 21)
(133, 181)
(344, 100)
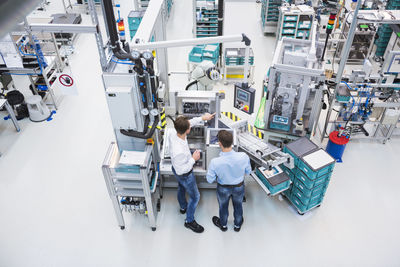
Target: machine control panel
(244, 98)
(196, 107)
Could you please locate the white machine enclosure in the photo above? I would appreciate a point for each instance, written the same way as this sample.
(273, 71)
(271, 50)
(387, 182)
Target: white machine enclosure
(124, 105)
(121, 104)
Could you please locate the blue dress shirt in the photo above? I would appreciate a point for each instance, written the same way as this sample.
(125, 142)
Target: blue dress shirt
(229, 168)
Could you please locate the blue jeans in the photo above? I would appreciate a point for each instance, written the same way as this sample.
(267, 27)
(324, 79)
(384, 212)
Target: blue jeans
(187, 184)
(223, 196)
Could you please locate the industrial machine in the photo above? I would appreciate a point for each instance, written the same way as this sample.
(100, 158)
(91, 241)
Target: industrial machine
(293, 88)
(202, 137)
(365, 99)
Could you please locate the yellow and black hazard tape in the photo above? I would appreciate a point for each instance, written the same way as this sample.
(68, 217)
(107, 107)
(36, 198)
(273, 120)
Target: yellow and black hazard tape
(163, 119)
(250, 128)
(255, 131)
(231, 116)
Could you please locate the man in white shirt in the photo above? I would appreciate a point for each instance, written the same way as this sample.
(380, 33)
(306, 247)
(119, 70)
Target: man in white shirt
(182, 167)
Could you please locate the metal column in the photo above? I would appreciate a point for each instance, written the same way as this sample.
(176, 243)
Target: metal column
(99, 38)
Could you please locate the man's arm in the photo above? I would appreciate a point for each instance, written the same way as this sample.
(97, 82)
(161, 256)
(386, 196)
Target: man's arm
(206, 117)
(195, 121)
(182, 164)
(211, 174)
(247, 170)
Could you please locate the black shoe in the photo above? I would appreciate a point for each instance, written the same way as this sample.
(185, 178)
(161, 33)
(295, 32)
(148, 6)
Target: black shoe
(237, 229)
(182, 211)
(217, 223)
(194, 226)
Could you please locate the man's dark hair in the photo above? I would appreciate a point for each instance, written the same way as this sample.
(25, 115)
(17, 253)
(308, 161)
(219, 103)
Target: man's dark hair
(181, 124)
(226, 138)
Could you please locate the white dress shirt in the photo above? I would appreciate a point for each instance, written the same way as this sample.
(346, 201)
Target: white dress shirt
(181, 158)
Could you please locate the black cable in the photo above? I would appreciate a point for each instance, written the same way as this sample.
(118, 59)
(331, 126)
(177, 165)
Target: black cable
(135, 134)
(190, 84)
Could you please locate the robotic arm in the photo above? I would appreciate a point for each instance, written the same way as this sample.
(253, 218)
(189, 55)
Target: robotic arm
(204, 76)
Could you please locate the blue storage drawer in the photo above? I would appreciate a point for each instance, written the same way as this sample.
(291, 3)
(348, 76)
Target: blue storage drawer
(316, 164)
(304, 25)
(134, 22)
(311, 183)
(289, 24)
(211, 51)
(196, 54)
(302, 33)
(304, 199)
(288, 31)
(289, 172)
(310, 192)
(275, 183)
(301, 206)
(290, 18)
(288, 193)
(135, 17)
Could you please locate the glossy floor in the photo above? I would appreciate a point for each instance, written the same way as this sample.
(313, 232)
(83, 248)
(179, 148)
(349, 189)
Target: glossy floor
(55, 210)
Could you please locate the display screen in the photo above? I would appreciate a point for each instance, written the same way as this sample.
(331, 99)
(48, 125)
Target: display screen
(241, 95)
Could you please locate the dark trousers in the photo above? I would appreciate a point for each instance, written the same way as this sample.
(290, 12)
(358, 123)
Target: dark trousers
(187, 184)
(223, 196)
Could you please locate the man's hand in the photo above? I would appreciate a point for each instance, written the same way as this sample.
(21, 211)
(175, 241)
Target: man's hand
(196, 155)
(207, 117)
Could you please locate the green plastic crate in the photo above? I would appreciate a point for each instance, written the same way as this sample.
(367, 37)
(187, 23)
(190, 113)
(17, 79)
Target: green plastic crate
(311, 183)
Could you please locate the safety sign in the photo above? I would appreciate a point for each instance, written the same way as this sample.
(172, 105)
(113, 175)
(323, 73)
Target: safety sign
(66, 84)
(66, 80)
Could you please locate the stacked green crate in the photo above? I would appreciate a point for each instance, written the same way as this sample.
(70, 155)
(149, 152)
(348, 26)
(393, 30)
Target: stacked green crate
(270, 11)
(384, 32)
(134, 19)
(295, 22)
(206, 19)
(208, 52)
(310, 176)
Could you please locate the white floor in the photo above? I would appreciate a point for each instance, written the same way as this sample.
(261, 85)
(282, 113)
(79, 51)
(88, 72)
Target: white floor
(55, 210)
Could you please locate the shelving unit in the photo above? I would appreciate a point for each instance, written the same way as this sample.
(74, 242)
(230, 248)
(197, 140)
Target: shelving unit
(205, 18)
(234, 65)
(40, 66)
(295, 21)
(132, 186)
(385, 31)
(270, 15)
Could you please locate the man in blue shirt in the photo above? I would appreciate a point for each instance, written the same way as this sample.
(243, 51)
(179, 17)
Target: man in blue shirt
(229, 170)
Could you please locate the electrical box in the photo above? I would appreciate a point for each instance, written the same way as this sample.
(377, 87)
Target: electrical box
(123, 109)
(244, 98)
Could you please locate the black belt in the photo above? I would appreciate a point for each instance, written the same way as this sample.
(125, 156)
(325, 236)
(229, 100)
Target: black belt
(232, 185)
(185, 174)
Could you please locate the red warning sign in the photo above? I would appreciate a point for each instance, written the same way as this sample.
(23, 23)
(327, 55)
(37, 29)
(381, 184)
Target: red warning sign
(66, 80)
